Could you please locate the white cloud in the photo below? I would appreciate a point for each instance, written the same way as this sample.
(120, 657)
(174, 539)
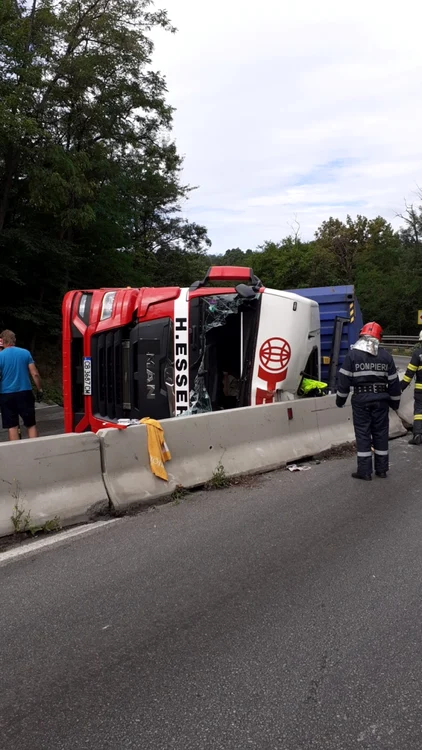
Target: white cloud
(309, 108)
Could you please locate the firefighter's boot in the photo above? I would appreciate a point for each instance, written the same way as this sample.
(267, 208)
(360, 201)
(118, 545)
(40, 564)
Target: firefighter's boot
(365, 477)
(416, 439)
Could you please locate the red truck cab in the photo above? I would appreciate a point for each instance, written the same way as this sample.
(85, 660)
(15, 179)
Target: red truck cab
(164, 352)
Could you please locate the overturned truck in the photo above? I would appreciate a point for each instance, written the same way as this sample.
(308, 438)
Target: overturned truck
(225, 342)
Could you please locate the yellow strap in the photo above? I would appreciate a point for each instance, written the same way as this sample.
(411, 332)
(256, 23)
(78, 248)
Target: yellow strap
(417, 417)
(157, 448)
(407, 379)
(418, 386)
(412, 367)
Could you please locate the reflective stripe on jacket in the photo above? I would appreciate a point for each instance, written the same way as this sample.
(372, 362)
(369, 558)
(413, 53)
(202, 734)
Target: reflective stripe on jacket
(364, 369)
(414, 370)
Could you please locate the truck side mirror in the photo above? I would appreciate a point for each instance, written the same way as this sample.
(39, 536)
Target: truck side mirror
(245, 291)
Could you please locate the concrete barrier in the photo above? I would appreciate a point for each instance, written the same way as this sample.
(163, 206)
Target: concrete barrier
(332, 420)
(73, 477)
(244, 441)
(126, 472)
(51, 476)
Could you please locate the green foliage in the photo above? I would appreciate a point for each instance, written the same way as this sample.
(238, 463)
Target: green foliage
(384, 265)
(219, 479)
(20, 518)
(90, 188)
(178, 494)
(53, 524)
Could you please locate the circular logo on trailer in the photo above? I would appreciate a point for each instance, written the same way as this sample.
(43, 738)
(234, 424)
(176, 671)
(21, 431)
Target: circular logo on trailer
(275, 354)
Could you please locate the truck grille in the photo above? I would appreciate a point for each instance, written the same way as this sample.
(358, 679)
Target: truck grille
(129, 370)
(110, 388)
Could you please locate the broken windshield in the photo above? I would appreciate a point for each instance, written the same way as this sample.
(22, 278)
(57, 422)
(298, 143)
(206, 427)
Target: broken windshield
(216, 310)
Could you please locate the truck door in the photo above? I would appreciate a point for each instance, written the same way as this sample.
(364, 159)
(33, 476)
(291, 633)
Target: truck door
(288, 334)
(223, 329)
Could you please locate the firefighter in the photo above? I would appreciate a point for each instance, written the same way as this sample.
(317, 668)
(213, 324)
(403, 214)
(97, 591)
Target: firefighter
(414, 368)
(371, 372)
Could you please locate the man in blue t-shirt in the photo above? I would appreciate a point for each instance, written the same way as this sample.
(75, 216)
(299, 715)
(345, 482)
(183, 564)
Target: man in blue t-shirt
(16, 397)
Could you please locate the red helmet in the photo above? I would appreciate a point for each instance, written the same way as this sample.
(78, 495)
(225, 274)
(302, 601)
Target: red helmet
(372, 329)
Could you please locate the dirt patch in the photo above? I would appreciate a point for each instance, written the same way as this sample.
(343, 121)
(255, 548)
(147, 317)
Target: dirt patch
(250, 480)
(340, 451)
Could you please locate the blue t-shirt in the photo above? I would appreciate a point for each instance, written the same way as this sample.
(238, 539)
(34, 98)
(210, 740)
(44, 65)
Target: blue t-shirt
(14, 374)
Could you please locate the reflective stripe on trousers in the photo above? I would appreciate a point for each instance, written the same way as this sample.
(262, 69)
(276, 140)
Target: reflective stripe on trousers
(370, 421)
(417, 417)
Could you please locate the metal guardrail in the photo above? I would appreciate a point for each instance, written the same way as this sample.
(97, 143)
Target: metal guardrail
(405, 342)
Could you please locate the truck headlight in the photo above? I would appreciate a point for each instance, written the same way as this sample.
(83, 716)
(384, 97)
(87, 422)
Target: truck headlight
(107, 306)
(82, 305)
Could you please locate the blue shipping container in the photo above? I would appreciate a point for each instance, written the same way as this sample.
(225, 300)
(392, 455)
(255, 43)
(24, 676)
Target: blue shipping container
(335, 302)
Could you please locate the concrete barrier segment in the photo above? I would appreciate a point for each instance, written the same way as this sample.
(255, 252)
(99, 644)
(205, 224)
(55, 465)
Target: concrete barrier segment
(243, 441)
(126, 471)
(51, 477)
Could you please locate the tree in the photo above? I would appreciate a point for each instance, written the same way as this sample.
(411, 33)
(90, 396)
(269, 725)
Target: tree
(342, 242)
(90, 187)
(382, 264)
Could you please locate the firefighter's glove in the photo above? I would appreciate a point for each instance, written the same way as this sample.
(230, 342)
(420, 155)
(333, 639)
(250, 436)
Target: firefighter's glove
(40, 396)
(403, 386)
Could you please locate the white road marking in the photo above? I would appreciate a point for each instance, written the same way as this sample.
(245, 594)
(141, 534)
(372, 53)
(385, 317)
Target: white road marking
(40, 544)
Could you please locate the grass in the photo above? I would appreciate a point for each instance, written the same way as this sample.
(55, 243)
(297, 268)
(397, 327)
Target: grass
(21, 518)
(219, 479)
(178, 494)
(54, 524)
(402, 352)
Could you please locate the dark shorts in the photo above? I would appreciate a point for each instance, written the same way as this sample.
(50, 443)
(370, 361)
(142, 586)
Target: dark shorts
(15, 405)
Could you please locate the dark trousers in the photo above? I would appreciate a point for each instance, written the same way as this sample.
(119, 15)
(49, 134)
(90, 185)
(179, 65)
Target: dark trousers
(370, 421)
(417, 418)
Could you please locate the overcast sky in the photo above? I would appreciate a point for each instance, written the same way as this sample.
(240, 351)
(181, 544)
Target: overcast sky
(293, 108)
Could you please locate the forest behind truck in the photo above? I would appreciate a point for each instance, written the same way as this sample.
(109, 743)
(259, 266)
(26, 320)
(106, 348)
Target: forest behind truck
(91, 188)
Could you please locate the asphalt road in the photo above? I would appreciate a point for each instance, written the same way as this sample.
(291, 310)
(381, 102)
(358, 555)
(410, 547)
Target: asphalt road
(284, 614)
